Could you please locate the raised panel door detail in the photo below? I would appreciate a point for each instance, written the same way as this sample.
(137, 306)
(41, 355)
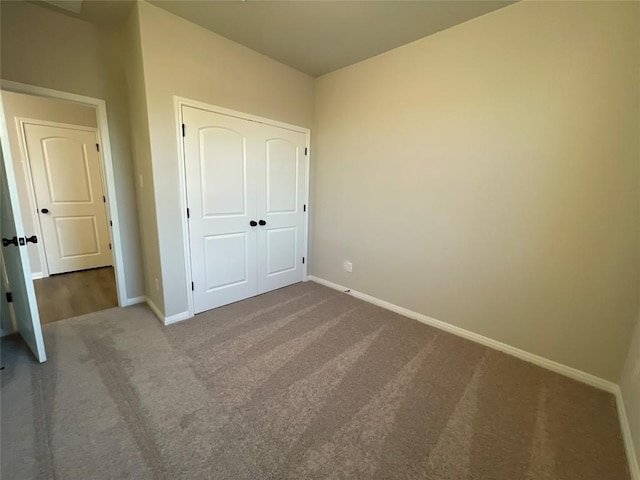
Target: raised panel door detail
(67, 175)
(67, 171)
(282, 175)
(281, 250)
(219, 158)
(223, 172)
(225, 260)
(281, 190)
(245, 188)
(77, 236)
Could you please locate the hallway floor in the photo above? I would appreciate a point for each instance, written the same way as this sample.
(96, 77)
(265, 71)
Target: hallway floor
(68, 295)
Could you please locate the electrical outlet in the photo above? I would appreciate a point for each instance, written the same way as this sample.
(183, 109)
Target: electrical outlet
(141, 181)
(348, 266)
(157, 284)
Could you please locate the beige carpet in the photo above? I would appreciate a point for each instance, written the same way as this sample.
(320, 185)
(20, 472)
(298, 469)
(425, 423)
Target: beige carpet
(300, 383)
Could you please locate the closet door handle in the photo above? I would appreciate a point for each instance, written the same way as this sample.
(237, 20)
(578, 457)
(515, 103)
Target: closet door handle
(253, 223)
(45, 210)
(262, 222)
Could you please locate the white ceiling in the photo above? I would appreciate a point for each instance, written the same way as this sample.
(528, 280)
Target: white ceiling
(313, 36)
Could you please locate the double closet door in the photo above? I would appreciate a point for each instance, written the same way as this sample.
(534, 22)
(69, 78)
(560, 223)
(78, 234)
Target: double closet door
(246, 188)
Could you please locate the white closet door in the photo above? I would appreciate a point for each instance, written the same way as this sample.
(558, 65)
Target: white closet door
(67, 179)
(221, 193)
(281, 197)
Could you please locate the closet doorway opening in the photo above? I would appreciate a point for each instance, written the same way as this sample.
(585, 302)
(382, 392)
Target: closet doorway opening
(245, 188)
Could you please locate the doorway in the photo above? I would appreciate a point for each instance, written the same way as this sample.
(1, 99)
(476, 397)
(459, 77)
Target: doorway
(62, 175)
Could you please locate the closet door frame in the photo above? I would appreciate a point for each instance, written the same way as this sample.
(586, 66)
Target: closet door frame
(179, 103)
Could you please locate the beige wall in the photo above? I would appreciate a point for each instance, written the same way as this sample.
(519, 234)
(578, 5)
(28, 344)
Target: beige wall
(489, 176)
(16, 106)
(183, 59)
(630, 387)
(143, 171)
(48, 49)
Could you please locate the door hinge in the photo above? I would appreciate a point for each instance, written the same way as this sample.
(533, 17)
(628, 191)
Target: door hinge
(188, 213)
(306, 151)
(183, 130)
(109, 246)
(304, 209)
(97, 146)
(104, 199)
(110, 223)
(302, 259)
(9, 297)
(192, 287)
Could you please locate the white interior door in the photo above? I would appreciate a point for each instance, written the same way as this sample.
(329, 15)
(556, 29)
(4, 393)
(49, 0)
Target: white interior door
(246, 187)
(221, 196)
(16, 260)
(69, 190)
(282, 170)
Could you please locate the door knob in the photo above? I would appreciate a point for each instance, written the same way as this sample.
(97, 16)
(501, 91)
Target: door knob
(13, 241)
(45, 210)
(262, 222)
(253, 223)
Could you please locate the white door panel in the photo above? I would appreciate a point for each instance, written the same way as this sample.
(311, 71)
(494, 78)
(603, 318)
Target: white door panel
(222, 202)
(67, 179)
(281, 176)
(281, 250)
(226, 260)
(281, 196)
(245, 193)
(223, 172)
(16, 262)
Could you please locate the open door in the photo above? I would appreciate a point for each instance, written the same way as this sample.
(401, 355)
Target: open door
(14, 252)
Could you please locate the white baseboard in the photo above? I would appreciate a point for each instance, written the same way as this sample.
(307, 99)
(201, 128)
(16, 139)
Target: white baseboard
(178, 317)
(634, 468)
(37, 275)
(565, 370)
(571, 372)
(134, 301)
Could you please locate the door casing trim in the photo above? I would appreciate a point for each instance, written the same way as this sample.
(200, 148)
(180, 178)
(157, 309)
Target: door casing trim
(180, 102)
(107, 166)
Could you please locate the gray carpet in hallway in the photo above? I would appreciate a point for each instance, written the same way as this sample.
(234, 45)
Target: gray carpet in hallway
(300, 383)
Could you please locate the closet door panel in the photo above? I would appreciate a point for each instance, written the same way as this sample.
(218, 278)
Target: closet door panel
(220, 154)
(223, 170)
(281, 250)
(281, 181)
(282, 173)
